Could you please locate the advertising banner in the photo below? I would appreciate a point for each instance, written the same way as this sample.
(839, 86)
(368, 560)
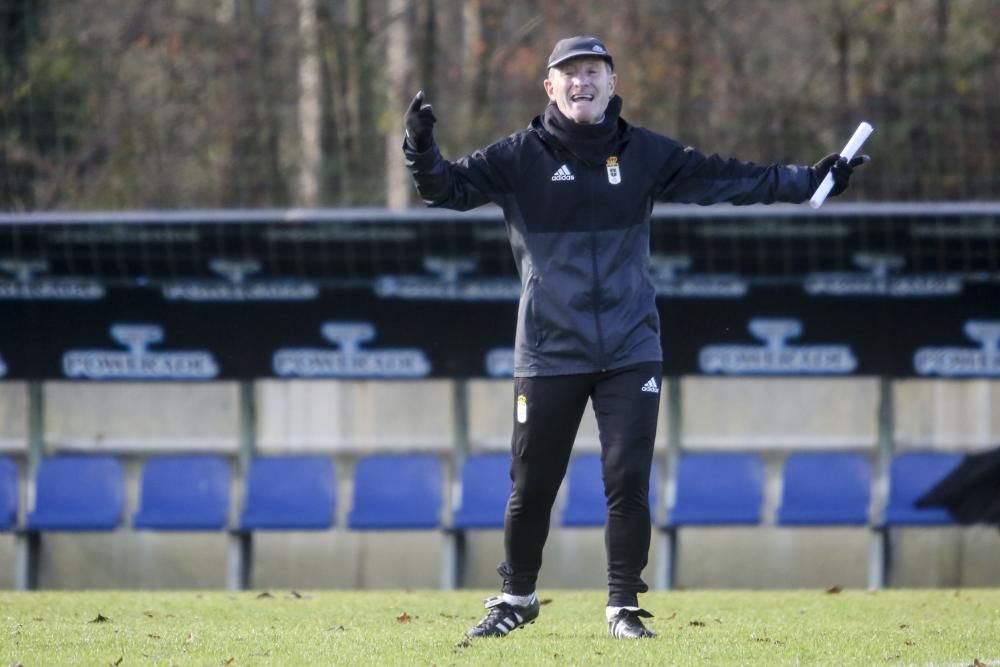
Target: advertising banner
(140, 334)
(371, 294)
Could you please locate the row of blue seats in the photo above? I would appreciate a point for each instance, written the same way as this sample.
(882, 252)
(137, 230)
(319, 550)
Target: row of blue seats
(192, 493)
(86, 492)
(404, 492)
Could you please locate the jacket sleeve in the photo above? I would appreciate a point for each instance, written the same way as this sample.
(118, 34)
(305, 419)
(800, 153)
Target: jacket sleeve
(471, 181)
(689, 177)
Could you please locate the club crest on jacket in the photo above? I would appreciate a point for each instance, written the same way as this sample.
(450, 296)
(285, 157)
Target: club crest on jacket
(614, 171)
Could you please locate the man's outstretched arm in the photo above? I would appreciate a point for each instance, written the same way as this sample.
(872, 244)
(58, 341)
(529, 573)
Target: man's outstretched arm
(691, 177)
(460, 185)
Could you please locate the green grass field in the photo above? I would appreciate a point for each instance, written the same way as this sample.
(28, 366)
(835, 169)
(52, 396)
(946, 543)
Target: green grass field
(926, 627)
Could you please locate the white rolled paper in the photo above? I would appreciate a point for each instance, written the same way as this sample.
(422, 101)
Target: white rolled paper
(853, 144)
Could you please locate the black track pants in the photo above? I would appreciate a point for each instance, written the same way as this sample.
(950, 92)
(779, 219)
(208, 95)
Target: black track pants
(546, 420)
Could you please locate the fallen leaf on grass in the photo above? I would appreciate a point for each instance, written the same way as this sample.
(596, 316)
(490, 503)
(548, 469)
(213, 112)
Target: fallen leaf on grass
(339, 628)
(229, 662)
(976, 662)
(264, 595)
(465, 643)
(545, 601)
(696, 624)
(833, 590)
(403, 618)
(444, 615)
(190, 638)
(766, 640)
(101, 618)
(153, 636)
(118, 661)
(148, 614)
(295, 595)
(672, 616)
(903, 626)
(910, 642)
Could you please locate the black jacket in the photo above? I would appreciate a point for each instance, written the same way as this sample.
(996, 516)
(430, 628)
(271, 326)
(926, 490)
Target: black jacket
(580, 233)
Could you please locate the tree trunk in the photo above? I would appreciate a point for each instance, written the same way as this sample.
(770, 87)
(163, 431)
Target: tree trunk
(842, 49)
(336, 114)
(686, 64)
(310, 91)
(255, 175)
(479, 17)
(398, 183)
(945, 125)
(359, 97)
(425, 44)
(17, 171)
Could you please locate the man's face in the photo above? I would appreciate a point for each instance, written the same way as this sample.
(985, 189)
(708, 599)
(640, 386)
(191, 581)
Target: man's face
(581, 88)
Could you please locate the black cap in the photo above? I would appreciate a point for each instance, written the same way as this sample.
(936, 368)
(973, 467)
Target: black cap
(575, 47)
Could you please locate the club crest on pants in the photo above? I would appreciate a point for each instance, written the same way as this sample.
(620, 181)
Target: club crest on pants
(522, 409)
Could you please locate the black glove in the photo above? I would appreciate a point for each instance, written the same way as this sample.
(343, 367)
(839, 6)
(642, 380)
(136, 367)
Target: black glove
(420, 124)
(842, 170)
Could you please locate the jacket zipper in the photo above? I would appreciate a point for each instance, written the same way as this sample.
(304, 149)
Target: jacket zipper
(582, 168)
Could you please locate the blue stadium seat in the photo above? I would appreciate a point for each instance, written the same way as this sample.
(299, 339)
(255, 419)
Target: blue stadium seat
(289, 493)
(396, 492)
(718, 489)
(8, 493)
(183, 493)
(911, 475)
(586, 505)
(823, 489)
(710, 489)
(77, 493)
(484, 491)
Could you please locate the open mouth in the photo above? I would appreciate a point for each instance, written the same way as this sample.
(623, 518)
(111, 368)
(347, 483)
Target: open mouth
(581, 98)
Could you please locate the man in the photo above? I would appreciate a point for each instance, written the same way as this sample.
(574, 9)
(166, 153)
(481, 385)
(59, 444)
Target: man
(577, 188)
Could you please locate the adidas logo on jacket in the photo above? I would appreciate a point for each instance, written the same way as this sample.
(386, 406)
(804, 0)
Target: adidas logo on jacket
(563, 174)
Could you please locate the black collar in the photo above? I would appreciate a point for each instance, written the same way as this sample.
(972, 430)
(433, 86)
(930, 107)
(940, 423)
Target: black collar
(591, 144)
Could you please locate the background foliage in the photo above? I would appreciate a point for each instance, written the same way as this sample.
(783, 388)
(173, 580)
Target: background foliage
(114, 104)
